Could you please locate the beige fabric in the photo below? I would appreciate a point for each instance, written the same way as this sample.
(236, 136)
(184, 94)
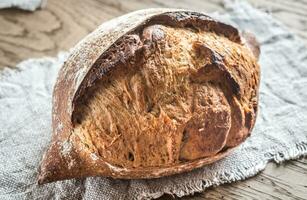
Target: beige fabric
(280, 132)
(30, 5)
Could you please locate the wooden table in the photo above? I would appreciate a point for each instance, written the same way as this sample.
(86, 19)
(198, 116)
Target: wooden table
(63, 23)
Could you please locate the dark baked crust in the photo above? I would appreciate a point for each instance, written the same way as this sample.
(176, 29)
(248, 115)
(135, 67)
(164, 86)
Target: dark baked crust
(115, 43)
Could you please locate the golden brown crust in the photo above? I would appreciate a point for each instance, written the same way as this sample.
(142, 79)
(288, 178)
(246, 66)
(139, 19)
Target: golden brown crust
(154, 93)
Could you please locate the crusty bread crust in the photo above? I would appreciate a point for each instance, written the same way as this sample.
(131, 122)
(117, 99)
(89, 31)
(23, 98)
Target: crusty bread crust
(99, 135)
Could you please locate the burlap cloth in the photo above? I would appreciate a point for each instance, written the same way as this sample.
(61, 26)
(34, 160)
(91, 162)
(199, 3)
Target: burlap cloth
(280, 132)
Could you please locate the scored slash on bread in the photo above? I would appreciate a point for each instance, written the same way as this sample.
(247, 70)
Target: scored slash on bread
(152, 93)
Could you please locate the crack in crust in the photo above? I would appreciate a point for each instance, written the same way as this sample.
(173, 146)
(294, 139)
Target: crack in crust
(177, 83)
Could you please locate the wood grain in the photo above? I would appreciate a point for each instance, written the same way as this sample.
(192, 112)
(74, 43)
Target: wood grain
(63, 23)
(285, 181)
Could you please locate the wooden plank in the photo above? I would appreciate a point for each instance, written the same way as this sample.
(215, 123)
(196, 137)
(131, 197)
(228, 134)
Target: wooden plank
(63, 23)
(285, 181)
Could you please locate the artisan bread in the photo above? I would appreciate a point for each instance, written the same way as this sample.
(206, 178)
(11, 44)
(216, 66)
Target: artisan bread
(152, 93)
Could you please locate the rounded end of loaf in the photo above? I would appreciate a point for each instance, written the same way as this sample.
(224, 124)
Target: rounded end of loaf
(252, 43)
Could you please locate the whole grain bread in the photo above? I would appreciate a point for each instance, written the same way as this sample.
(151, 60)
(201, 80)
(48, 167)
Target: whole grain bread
(152, 93)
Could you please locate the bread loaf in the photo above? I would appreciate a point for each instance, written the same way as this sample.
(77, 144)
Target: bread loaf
(152, 93)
